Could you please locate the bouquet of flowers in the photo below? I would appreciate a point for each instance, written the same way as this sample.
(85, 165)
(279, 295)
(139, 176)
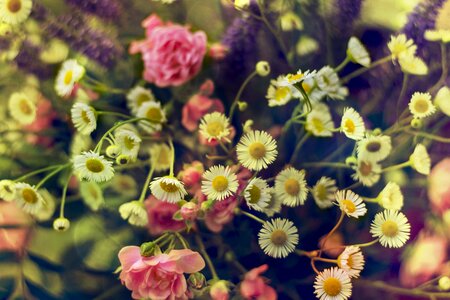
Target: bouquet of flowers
(220, 149)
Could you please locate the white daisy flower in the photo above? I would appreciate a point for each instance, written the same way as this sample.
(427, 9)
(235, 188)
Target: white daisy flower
(21, 108)
(328, 81)
(292, 79)
(161, 157)
(351, 203)
(134, 212)
(420, 160)
(154, 114)
(367, 172)
(391, 197)
(92, 195)
(92, 166)
(7, 190)
(215, 126)
(168, 188)
(13, 12)
(400, 44)
(274, 204)
(421, 106)
(290, 187)
(28, 198)
(256, 150)
(412, 64)
(278, 237)
(257, 194)
(351, 261)
(84, 118)
(277, 94)
(442, 100)
(219, 183)
(333, 284)
(319, 121)
(128, 142)
(323, 192)
(374, 147)
(391, 227)
(138, 96)
(69, 74)
(352, 125)
(357, 53)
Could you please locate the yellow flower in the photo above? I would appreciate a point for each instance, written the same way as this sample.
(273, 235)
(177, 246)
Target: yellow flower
(15, 11)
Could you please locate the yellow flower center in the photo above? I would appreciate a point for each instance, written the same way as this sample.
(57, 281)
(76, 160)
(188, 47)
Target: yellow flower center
(168, 187)
(349, 261)
(29, 195)
(292, 187)
(129, 143)
(257, 150)
(389, 228)
(349, 206)
(220, 183)
(215, 128)
(68, 77)
(373, 146)
(278, 237)
(24, 107)
(421, 106)
(94, 165)
(141, 98)
(14, 5)
(332, 286)
(321, 192)
(154, 115)
(365, 168)
(281, 93)
(85, 117)
(294, 77)
(255, 194)
(349, 126)
(306, 87)
(318, 124)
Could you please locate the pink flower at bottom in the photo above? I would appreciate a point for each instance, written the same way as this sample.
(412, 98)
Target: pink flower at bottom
(219, 291)
(158, 277)
(13, 239)
(160, 216)
(439, 186)
(196, 107)
(254, 286)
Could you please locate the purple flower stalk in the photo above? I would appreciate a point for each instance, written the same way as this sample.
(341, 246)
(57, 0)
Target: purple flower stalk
(345, 13)
(105, 9)
(26, 60)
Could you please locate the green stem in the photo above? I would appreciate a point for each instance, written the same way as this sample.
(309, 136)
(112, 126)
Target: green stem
(298, 148)
(429, 136)
(146, 184)
(51, 174)
(239, 93)
(368, 244)
(172, 150)
(64, 196)
(363, 70)
(397, 167)
(326, 164)
(182, 240)
(206, 257)
(400, 97)
(342, 64)
(333, 261)
(162, 237)
(371, 200)
(444, 73)
(21, 178)
(251, 216)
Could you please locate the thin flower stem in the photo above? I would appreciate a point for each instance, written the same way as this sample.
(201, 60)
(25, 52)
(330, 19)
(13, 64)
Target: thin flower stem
(339, 222)
(182, 240)
(64, 196)
(326, 164)
(208, 260)
(113, 113)
(368, 244)
(333, 261)
(51, 174)
(444, 73)
(309, 254)
(342, 64)
(400, 97)
(146, 184)
(162, 237)
(35, 172)
(371, 200)
(363, 70)
(172, 162)
(429, 136)
(239, 93)
(396, 167)
(313, 265)
(251, 216)
(298, 147)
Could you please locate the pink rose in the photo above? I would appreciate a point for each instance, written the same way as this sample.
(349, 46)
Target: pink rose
(425, 260)
(160, 216)
(158, 277)
(172, 54)
(254, 287)
(192, 173)
(189, 211)
(44, 118)
(439, 186)
(13, 239)
(219, 291)
(199, 105)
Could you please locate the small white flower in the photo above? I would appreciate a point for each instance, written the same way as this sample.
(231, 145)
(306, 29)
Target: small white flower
(256, 150)
(324, 192)
(352, 125)
(168, 188)
(278, 237)
(290, 21)
(351, 203)
(290, 187)
(93, 167)
(28, 198)
(421, 106)
(219, 182)
(84, 118)
(277, 94)
(134, 212)
(257, 194)
(92, 195)
(351, 261)
(13, 12)
(328, 81)
(128, 142)
(412, 64)
(333, 284)
(391, 197)
(7, 190)
(21, 108)
(374, 148)
(138, 96)
(420, 160)
(357, 53)
(400, 45)
(154, 114)
(292, 79)
(368, 172)
(69, 74)
(215, 126)
(319, 121)
(391, 227)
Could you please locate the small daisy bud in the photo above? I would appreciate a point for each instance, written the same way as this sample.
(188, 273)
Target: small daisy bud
(148, 249)
(61, 224)
(229, 256)
(376, 131)
(248, 126)
(416, 123)
(123, 159)
(113, 151)
(263, 68)
(351, 160)
(444, 283)
(242, 105)
(189, 211)
(219, 290)
(196, 280)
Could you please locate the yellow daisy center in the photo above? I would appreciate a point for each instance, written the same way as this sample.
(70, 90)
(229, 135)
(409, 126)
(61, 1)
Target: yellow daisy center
(321, 192)
(220, 183)
(29, 195)
(215, 128)
(94, 165)
(141, 98)
(349, 126)
(421, 106)
(257, 150)
(306, 87)
(294, 77)
(14, 6)
(255, 194)
(292, 187)
(373, 146)
(318, 124)
(68, 77)
(349, 262)
(332, 286)
(168, 187)
(278, 237)
(85, 117)
(129, 143)
(389, 228)
(365, 168)
(350, 207)
(281, 93)
(154, 115)
(24, 107)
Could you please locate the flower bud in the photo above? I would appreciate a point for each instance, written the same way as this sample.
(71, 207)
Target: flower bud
(61, 224)
(376, 131)
(248, 126)
(148, 249)
(444, 283)
(112, 151)
(416, 123)
(219, 290)
(351, 160)
(189, 211)
(196, 280)
(123, 159)
(263, 68)
(242, 105)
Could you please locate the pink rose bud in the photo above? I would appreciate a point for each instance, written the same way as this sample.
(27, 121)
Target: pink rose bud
(207, 88)
(219, 290)
(254, 286)
(189, 211)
